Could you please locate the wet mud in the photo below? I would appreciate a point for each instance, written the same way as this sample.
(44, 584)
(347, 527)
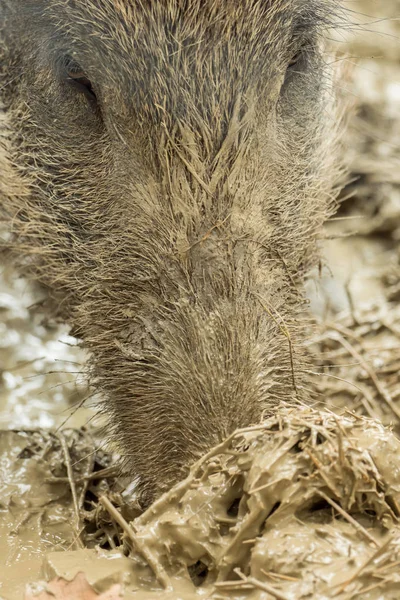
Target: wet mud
(50, 485)
(40, 364)
(307, 505)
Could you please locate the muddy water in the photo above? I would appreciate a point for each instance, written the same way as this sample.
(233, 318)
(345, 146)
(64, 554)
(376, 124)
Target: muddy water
(36, 516)
(40, 389)
(40, 363)
(305, 506)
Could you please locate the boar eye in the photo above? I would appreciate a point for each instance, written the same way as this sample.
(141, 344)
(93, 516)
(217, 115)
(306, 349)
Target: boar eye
(294, 60)
(76, 78)
(299, 55)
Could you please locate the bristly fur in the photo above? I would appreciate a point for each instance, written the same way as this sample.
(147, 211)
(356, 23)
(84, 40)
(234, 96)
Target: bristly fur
(173, 222)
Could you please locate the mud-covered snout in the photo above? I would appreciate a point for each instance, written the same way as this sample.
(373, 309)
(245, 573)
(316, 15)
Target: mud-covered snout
(188, 377)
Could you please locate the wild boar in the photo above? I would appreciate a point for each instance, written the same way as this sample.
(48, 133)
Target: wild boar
(165, 170)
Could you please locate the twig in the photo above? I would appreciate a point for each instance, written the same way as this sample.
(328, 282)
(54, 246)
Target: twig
(103, 473)
(267, 588)
(72, 484)
(374, 378)
(320, 468)
(274, 575)
(86, 478)
(348, 518)
(155, 566)
(253, 582)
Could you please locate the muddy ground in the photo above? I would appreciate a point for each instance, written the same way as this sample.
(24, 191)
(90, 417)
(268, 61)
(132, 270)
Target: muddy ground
(306, 505)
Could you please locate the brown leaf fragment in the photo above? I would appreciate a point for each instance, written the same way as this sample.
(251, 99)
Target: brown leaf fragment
(77, 589)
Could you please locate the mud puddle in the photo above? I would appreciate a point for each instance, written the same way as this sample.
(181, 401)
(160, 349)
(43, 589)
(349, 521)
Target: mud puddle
(50, 486)
(305, 505)
(40, 364)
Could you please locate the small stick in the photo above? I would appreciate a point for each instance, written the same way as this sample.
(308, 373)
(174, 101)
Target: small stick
(320, 468)
(157, 569)
(263, 487)
(348, 518)
(90, 454)
(278, 576)
(267, 588)
(71, 480)
(390, 565)
(77, 539)
(252, 581)
(106, 472)
(382, 391)
(351, 301)
(371, 587)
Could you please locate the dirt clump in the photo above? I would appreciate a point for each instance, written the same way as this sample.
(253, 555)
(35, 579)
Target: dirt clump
(305, 505)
